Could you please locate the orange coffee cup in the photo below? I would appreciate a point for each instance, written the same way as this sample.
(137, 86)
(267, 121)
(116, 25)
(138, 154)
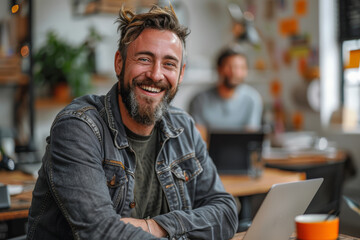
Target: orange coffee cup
(317, 227)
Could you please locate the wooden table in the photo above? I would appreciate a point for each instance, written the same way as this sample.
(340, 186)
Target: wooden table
(242, 185)
(333, 166)
(20, 203)
(301, 158)
(235, 185)
(240, 236)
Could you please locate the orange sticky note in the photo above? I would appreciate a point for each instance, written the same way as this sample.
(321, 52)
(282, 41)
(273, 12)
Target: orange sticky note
(302, 66)
(288, 26)
(354, 59)
(301, 7)
(298, 120)
(275, 87)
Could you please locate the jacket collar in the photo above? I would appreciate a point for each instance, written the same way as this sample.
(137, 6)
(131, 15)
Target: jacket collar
(114, 121)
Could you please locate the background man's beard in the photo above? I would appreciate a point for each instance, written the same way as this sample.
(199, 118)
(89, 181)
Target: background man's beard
(228, 84)
(146, 115)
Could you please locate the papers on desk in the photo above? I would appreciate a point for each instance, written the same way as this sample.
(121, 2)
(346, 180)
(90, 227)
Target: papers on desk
(300, 145)
(285, 154)
(13, 189)
(294, 140)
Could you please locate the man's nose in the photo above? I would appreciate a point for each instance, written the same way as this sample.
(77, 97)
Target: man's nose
(234, 70)
(155, 72)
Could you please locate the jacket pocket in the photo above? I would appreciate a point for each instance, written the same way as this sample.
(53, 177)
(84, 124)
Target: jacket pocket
(186, 168)
(185, 171)
(116, 180)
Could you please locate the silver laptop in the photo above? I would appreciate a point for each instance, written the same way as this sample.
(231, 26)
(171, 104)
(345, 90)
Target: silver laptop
(275, 218)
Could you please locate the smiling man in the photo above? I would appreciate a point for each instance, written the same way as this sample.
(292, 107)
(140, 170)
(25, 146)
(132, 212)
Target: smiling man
(128, 165)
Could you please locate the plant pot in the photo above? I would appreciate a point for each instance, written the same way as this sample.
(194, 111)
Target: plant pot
(62, 92)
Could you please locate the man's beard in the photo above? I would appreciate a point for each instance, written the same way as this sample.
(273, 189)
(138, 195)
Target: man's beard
(229, 84)
(146, 114)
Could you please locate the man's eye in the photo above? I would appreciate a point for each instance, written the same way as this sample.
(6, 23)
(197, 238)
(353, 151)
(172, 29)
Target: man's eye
(170, 64)
(143, 59)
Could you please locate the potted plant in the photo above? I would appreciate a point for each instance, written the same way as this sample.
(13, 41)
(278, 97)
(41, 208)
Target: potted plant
(63, 67)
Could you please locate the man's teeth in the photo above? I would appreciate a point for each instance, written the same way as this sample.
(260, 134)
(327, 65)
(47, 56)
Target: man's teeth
(151, 89)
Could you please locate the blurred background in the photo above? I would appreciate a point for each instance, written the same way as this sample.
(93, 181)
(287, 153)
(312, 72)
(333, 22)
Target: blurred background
(303, 58)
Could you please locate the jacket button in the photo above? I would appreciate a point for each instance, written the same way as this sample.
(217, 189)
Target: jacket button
(186, 177)
(113, 181)
(132, 204)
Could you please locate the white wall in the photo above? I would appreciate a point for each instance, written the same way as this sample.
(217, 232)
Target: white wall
(329, 60)
(57, 16)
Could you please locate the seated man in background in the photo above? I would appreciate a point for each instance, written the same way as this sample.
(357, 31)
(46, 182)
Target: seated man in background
(232, 104)
(128, 165)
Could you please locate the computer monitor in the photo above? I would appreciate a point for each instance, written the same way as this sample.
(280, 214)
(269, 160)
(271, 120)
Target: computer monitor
(231, 150)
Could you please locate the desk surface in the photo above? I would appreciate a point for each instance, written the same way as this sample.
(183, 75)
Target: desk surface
(20, 203)
(240, 236)
(305, 158)
(242, 185)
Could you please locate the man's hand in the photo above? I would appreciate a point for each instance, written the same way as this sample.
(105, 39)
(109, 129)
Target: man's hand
(155, 228)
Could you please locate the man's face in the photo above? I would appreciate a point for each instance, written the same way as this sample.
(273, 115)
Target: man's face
(233, 71)
(151, 74)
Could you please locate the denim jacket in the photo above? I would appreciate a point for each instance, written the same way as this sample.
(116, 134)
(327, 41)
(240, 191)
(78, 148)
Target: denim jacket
(86, 181)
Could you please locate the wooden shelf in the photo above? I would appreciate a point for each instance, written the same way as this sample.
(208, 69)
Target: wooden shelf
(98, 81)
(113, 6)
(10, 71)
(44, 103)
(15, 79)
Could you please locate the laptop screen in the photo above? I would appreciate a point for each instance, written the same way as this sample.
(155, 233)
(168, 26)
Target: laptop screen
(230, 151)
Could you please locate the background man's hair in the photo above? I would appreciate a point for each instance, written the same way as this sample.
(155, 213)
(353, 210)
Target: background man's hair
(131, 25)
(229, 52)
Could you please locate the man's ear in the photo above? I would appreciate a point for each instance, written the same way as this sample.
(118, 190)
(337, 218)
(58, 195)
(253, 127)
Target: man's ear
(118, 63)
(182, 73)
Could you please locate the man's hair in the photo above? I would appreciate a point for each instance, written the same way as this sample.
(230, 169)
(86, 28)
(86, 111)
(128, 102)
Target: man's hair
(229, 52)
(131, 25)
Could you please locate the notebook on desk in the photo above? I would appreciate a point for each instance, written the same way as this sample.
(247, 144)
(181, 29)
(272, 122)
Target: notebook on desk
(275, 218)
(230, 150)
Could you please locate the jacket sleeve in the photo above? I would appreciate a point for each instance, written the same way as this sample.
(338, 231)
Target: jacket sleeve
(77, 183)
(213, 214)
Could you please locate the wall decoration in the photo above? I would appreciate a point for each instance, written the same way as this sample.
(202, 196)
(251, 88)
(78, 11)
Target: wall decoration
(354, 59)
(298, 120)
(288, 26)
(300, 7)
(275, 88)
(269, 9)
(299, 45)
(286, 57)
(282, 4)
(260, 64)
(289, 34)
(302, 66)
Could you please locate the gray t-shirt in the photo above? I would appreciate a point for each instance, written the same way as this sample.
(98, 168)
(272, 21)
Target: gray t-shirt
(243, 110)
(149, 197)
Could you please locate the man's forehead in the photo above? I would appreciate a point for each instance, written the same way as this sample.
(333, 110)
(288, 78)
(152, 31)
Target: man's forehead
(164, 40)
(234, 58)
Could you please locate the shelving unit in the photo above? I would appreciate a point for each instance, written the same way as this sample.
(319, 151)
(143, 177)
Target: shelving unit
(16, 69)
(86, 7)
